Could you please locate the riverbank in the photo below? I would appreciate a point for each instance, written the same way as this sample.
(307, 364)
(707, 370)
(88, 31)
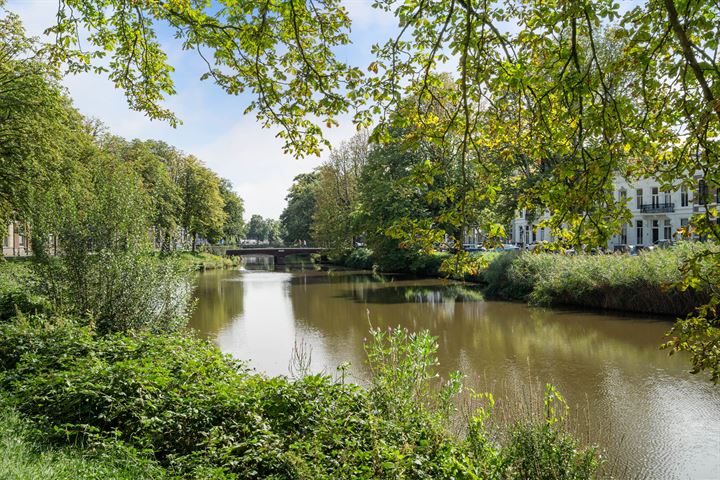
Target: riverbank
(23, 455)
(646, 283)
(160, 395)
(200, 414)
(205, 260)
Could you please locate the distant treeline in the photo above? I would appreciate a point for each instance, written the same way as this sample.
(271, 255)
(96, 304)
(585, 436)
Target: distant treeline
(62, 173)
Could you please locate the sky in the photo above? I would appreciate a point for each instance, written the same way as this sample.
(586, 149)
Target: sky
(214, 127)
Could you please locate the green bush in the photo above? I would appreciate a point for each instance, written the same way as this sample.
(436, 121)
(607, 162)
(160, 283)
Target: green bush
(204, 415)
(18, 290)
(643, 283)
(24, 456)
(360, 258)
(121, 290)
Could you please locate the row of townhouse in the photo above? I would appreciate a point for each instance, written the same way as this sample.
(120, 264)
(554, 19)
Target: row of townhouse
(656, 214)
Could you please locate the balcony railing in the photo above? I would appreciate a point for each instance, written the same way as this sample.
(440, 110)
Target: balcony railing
(657, 207)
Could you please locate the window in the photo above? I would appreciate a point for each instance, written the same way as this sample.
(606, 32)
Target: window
(21, 240)
(667, 197)
(667, 230)
(542, 234)
(655, 197)
(639, 232)
(623, 235)
(534, 235)
(639, 198)
(702, 192)
(683, 222)
(622, 195)
(684, 200)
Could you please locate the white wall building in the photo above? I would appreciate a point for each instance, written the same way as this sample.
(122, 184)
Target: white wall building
(656, 214)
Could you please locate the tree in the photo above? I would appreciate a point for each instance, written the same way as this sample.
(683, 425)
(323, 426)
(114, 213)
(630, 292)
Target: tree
(166, 201)
(234, 227)
(257, 229)
(203, 214)
(334, 222)
(40, 133)
(543, 100)
(297, 217)
(274, 231)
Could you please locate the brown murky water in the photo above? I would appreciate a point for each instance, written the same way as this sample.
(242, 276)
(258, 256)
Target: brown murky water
(651, 417)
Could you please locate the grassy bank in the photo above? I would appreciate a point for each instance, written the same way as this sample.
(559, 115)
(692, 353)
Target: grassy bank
(644, 283)
(205, 260)
(23, 456)
(202, 415)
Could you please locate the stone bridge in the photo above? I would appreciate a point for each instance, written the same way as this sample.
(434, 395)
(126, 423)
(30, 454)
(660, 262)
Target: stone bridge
(277, 253)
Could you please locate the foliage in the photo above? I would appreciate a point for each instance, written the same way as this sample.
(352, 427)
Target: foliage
(203, 213)
(644, 283)
(204, 415)
(234, 226)
(542, 451)
(362, 258)
(297, 217)
(40, 133)
(699, 332)
(121, 291)
(23, 456)
(19, 288)
(334, 220)
(264, 229)
(105, 270)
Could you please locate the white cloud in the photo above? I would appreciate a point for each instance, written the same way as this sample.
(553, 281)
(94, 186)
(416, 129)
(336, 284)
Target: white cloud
(252, 159)
(364, 16)
(214, 128)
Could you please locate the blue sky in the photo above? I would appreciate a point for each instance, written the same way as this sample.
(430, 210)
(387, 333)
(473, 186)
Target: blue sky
(214, 127)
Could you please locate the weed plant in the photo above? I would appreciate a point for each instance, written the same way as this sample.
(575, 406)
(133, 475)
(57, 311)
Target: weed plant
(203, 415)
(643, 283)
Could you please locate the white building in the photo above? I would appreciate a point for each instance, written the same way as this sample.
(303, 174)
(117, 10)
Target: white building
(656, 214)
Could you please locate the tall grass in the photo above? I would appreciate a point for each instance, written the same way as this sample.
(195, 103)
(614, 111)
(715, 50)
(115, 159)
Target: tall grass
(643, 283)
(24, 457)
(204, 415)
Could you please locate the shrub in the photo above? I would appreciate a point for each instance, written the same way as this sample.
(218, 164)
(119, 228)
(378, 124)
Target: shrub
(643, 283)
(120, 291)
(18, 290)
(204, 415)
(360, 258)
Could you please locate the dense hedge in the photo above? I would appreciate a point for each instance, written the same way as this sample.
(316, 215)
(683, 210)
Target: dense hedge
(644, 283)
(201, 414)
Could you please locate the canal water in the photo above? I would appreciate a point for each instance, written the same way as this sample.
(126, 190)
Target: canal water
(651, 417)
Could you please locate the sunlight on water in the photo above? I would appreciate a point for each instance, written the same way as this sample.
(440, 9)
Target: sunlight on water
(653, 419)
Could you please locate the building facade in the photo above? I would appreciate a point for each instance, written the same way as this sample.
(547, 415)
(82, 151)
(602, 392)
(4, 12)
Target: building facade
(16, 243)
(656, 214)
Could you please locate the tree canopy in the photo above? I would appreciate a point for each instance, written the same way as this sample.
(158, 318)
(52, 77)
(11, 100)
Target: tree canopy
(575, 93)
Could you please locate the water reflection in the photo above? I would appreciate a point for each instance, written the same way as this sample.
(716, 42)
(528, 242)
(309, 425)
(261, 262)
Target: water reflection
(644, 408)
